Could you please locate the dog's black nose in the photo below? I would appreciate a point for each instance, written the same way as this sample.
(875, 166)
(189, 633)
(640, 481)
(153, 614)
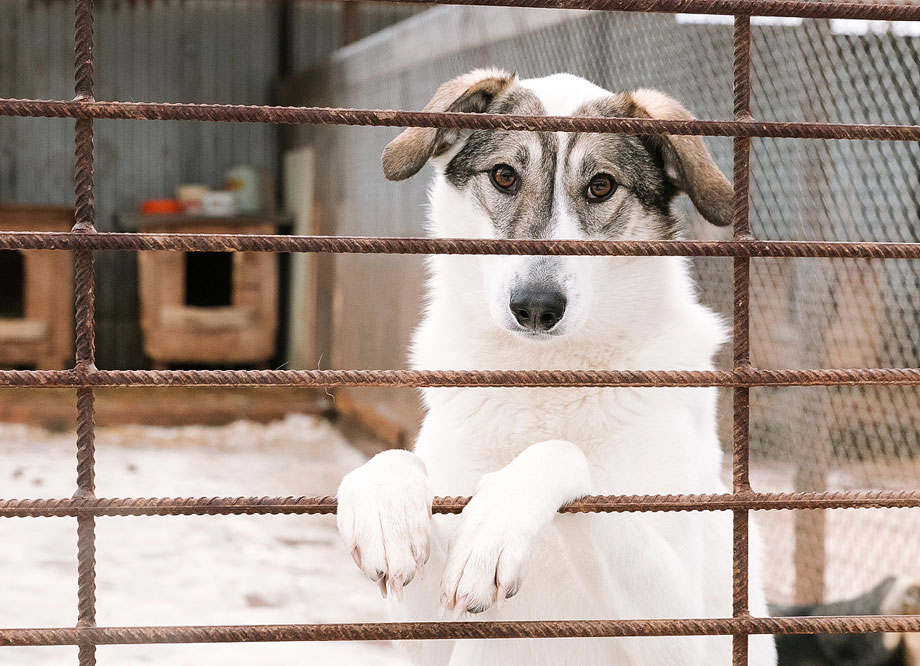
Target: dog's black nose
(537, 309)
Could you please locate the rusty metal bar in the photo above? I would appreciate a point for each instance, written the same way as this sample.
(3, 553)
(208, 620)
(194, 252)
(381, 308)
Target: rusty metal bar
(461, 630)
(450, 378)
(741, 325)
(194, 506)
(745, 247)
(85, 331)
(792, 8)
(509, 122)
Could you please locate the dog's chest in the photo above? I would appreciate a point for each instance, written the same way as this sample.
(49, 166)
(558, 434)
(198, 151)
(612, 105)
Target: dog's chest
(481, 430)
(514, 414)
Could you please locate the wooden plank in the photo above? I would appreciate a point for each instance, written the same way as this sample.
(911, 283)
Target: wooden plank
(206, 320)
(22, 330)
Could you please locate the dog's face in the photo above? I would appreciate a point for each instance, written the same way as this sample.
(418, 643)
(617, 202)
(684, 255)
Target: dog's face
(554, 185)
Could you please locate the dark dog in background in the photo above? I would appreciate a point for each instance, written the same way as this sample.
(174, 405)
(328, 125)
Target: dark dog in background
(893, 596)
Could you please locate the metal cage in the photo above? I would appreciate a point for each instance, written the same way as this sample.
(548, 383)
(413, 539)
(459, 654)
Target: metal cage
(83, 240)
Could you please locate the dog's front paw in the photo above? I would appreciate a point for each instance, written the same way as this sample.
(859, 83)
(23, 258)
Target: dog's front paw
(384, 515)
(487, 554)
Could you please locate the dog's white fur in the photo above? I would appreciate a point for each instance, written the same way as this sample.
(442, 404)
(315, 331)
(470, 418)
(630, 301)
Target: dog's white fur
(524, 452)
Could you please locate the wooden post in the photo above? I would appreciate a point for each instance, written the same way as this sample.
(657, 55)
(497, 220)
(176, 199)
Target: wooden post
(816, 97)
(351, 30)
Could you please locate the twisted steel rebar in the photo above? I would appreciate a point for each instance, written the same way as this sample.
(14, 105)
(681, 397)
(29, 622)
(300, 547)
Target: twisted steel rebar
(461, 630)
(85, 330)
(189, 506)
(391, 118)
(747, 376)
(741, 331)
(746, 247)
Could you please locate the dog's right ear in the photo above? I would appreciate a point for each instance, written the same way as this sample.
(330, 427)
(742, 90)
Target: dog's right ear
(687, 161)
(473, 92)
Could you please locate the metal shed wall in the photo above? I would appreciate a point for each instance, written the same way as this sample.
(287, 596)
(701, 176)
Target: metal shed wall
(219, 51)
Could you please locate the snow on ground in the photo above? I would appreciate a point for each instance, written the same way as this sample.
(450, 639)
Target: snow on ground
(291, 569)
(187, 569)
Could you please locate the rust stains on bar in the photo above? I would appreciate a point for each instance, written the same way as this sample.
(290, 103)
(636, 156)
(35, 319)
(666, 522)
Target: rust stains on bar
(747, 247)
(188, 506)
(470, 378)
(291, 115)
(461, 630)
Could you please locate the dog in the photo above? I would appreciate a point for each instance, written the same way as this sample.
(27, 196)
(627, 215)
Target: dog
(524, 452)
(895, 595)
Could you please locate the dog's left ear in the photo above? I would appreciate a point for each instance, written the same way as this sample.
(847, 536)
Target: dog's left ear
(473, 92)
(687, 161)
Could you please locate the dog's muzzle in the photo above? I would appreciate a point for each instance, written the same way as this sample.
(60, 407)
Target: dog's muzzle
(536, 308)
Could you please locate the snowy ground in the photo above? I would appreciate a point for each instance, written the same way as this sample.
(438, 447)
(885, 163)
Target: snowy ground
(187, 569)
(288, 569)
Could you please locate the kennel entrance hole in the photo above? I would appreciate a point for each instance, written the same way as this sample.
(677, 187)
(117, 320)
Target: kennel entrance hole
(12, 284)
(209, 279)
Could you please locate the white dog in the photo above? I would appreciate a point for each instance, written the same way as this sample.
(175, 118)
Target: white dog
(523, 452)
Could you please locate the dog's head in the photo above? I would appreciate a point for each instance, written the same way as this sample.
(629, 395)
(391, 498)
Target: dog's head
(554, 185)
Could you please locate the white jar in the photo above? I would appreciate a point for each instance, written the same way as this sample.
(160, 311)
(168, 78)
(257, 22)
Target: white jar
(218, 204)
(246, 184)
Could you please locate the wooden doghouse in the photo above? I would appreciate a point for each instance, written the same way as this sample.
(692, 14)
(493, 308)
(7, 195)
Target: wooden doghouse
(208, 308)
(36, 293)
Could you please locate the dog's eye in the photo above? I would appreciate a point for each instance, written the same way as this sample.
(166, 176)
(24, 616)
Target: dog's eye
(504, 178)
(601, 188)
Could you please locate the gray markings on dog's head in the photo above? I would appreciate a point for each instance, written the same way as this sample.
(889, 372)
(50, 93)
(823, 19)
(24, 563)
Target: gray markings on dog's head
(526, 213)
(687, 162)
(473, 92)
(641, 204)
(648, 171)
(640, 207)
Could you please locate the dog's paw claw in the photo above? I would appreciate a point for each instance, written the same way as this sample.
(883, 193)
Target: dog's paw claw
(501, 595)
(461, 605)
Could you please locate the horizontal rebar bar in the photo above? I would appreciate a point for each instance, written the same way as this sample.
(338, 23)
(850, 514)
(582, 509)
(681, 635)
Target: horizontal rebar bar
(390, 118)
(459, 630)
(463, 378)
(38, 240)
(790, 8)
(188, 506)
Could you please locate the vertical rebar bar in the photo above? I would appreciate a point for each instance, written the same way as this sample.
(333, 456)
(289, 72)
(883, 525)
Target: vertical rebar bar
(84, 294)
(741, 334)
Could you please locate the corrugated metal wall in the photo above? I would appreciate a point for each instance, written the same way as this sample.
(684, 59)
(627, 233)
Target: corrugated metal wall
(316, 27)
(220, 51)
